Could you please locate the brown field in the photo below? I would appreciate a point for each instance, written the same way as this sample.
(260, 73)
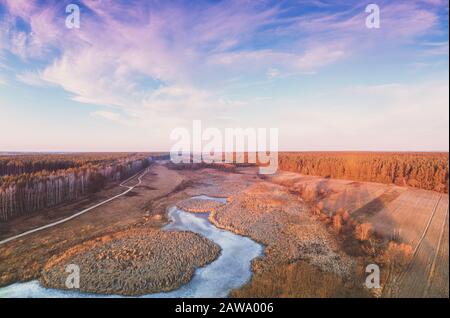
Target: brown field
(133, 262)
(438, 284)
(411, 216)
(307, 224)
(426, 236)
(298, 280)
(358, 198)
(24, 258)
(199, 205)
(296, 244)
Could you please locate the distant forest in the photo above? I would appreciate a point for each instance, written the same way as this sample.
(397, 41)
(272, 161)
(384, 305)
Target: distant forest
(427, 171)
(32, 182)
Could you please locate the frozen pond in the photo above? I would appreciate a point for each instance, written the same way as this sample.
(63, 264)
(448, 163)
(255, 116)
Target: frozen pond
(230, 270)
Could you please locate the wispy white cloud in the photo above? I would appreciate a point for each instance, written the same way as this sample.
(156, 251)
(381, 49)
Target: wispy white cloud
(168, 61)
(110, 61)
(170, 44)
(109, 115)
(32, 78)
(320, 55)
(436, 48)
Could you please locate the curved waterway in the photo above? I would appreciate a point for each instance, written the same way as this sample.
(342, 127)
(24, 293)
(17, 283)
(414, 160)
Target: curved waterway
(230, 270)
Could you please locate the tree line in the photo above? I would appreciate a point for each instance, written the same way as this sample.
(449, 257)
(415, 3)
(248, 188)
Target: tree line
(427, 171)
(27, 192)
(29, 163)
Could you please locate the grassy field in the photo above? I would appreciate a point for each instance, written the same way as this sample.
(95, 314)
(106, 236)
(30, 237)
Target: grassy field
(318, 233)
(24, 258)
(405, 215)
(133, 262)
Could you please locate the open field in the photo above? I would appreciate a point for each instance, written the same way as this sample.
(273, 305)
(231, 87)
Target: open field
(295, 244)
(199, 205)
(358, 198)
(307, 254)
(438, 285)
(420, 277)
(23, 259)
(133, 262)
(411, 216)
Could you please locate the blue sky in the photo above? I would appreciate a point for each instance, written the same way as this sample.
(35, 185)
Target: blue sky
(135, 70)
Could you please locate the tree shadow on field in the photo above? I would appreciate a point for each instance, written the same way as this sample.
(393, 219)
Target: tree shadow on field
(376, 205)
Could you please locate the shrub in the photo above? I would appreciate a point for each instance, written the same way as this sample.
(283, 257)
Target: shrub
(337, 222)
(346, 216)
(397, 255)
(298, 280)
(363, 231)
(96, 182)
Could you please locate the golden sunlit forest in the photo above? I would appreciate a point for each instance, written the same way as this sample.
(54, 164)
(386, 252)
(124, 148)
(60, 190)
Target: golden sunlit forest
(428, 171)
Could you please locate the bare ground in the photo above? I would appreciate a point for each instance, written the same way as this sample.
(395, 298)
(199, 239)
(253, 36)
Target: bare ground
(275, 211)
(406, 215)
(424, 276)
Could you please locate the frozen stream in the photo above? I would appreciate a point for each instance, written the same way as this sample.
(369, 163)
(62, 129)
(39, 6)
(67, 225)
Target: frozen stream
(230, 270)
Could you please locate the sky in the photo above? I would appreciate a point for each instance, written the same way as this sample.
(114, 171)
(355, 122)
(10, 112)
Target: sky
(136, 70)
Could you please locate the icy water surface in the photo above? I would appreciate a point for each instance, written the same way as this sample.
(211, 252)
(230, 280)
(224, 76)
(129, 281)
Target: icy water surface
(230, 270)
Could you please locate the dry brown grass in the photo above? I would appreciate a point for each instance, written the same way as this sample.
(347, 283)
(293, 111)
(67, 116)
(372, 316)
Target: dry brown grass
(199, 205)
(439, 278)
(337, 223)
(133, 262)
(332, 195)
(396, 255)
(297, 246)
(299, 280)
(404, 215)
(269, 214)
(424, 275)
(24, 258)
(363, 231)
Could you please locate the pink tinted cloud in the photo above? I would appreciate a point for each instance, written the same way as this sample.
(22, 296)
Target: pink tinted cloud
(104, 60)
(21, 8)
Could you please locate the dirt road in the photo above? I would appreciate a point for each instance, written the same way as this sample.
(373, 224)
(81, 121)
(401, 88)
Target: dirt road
(424, 271)
(23, 258)
(141, 174)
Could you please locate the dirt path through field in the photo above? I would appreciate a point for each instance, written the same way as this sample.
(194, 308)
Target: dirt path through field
(23, 258)
(139, 176)
(438, 250)
(417, 279)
